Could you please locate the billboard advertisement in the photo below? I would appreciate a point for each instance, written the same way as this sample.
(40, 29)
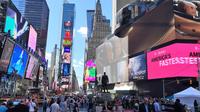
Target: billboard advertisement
(19, 60)
(174, 61)
(32, 39)
(33, 63)
(137, 67)
(66, 69)
(186, 14)
(67, 49)
(122, 71)
(66, 57)
(90, 73)
(16, 25)
(6, 55)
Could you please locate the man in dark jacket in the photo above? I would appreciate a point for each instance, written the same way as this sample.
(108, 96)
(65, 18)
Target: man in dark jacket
(145, 107)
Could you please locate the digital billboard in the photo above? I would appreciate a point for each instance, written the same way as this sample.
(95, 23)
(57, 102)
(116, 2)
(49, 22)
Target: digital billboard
(66, 57)
(67, 42)
(66, 69)
(16, 25)
(137, 67)
(19, 60)
(122, 71)
(67, 49)
(6, 55)
(186, 14)
(32, 39)
(176, 60)
(32, 64)
(90, 74)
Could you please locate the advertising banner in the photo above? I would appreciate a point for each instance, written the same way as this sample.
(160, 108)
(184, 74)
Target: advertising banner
(18, 61)
(137, 67)
(176, 60)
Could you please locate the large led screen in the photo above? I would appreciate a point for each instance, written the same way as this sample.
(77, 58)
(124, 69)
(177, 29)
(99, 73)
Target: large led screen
(67, 57)
(137, 67)
(18, 61)
(176, 60)
(187, 22)
(90, 74)
(32, 38)
(33, 63)
(16, 25)
(66, 69)
(6, 55)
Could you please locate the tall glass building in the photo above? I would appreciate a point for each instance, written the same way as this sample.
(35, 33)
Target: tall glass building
(67, 38)
(37, 13)
(90, 19)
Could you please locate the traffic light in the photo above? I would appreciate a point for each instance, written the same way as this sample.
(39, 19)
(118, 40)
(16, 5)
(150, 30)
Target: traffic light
(190, 81)
(177, 81)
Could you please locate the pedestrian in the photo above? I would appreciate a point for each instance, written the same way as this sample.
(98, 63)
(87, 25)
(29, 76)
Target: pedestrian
(55, 107)
(45, 104)
(32, 106)
(195, 106)
(3, 107)
(156, 105)
(62, 105)
(145, 107)
(76, 108)
(22, 107)
(10, 106)
(178, 107)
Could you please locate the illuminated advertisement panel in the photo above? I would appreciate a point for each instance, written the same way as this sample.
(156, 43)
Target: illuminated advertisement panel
(6, 55)
(137, 67)
(32, 38)
(90, 73)
(66, 69)
(67, 57)
(67, 49)
(67, 42)
(30, 72)
(174, 61)
(18, 61)
(16, 25)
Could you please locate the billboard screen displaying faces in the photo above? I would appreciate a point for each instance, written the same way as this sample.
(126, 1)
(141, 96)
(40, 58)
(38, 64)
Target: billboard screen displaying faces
(33, 63)
(174, 61)
(18, 61)
(66, 57)
(16, 25)
(137, 67)
(32, 39)
(66, 69)
(186, 15)
(6, 55)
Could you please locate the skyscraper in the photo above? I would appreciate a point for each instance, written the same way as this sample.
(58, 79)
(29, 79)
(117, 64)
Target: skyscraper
(66, 38)
(101, 28)
(90, 19)
(37, 13)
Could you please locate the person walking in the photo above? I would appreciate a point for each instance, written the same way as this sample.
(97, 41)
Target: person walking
(156, 105)
(178, 107)
(195, 106)
(45, 105)
(54, 107)
(32, 106)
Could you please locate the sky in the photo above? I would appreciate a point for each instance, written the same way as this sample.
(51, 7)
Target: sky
(80, 29)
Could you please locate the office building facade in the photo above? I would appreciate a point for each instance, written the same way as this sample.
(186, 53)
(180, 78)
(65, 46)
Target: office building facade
(101, 28)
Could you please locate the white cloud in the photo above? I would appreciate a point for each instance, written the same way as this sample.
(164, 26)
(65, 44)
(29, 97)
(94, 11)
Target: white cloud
(48, 57)
(82, 31)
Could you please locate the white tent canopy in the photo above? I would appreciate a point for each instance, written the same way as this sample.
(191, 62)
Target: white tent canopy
(188, 96)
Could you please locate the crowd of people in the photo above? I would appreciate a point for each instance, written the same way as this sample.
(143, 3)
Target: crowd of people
(90, 104)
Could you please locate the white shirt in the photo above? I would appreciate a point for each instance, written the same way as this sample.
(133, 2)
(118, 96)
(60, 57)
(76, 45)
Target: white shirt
(31, 106)
(55, 107)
